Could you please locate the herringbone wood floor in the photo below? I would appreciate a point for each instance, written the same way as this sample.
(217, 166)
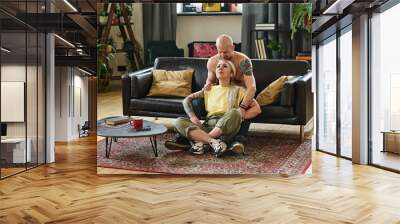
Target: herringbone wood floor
(70, 191)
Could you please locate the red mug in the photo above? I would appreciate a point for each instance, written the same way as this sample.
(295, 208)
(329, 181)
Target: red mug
(137, 123)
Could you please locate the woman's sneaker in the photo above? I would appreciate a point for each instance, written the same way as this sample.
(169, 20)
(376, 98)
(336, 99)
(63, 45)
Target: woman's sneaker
(197, 148)
(179, 143)
(218, 146)
(237, 148)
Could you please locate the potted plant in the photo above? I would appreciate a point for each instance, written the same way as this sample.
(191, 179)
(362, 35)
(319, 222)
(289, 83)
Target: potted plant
(275, 47)
(104, 71)
(117, 16)
(301, 19)
(110, 45)
(130, 10)
(103, 17)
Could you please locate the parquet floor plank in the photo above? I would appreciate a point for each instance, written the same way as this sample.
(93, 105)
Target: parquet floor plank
(70, 191)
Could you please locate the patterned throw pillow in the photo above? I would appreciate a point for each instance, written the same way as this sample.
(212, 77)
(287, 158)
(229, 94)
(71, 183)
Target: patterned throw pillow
(204, 50)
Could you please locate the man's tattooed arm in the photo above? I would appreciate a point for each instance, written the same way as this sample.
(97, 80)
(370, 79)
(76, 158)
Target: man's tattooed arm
(187, 102)
(249, 81)
(246, 67)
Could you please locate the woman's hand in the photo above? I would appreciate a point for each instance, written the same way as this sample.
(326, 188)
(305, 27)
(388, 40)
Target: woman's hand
(207, 86)
(196, 121)
(253, 111)
(242, 113)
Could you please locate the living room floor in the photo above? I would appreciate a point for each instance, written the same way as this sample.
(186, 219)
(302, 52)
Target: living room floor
(70, 191)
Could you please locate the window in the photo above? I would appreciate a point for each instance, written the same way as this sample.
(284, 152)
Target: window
(326, 126)
(385, 85)
(346, 92)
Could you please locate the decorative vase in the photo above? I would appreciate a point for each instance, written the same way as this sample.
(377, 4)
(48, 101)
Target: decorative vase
(103, 20)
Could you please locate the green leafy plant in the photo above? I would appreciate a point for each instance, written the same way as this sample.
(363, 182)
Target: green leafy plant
(274, 45)
(129, 9)
(104, 57)
(301, 19)
(103, 13)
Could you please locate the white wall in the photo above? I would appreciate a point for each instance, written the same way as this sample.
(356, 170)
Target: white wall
(70, 83)
(206, 28)
(33, 127)
(188, 29)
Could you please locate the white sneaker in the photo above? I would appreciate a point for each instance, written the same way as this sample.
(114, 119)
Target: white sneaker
(197, 148)
(218, 146)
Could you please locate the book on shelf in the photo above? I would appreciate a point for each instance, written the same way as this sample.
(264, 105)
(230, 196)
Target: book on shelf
(265, 25)
(303, 57)
(305, 53)
(263, 51)
(257, 48)
(260, 49)
(264, 28)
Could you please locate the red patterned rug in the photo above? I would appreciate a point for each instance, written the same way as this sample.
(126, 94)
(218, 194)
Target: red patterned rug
(264, 155)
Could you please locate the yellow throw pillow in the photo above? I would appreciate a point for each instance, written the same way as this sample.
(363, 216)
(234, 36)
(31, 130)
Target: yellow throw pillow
(271, 93)
(171, 83)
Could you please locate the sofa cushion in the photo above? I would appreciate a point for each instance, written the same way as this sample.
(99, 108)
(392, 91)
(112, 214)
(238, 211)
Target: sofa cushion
(271, 93)
(171, 83)
(199, 65)
(276, 111)
(159, 104)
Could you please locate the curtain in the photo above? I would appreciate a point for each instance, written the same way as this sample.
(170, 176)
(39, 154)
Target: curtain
(159, 22)
(279, 14)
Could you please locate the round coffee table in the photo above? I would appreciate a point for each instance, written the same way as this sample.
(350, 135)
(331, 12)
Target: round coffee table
(126, 131)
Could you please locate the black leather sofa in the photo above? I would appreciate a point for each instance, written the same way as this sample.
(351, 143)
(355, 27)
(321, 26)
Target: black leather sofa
(295, 106)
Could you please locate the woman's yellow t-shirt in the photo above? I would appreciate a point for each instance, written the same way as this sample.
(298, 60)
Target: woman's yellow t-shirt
(219, 100)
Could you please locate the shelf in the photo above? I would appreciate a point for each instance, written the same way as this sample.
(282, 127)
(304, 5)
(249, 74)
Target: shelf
(209, 14)
(123, 24)
(276, 30)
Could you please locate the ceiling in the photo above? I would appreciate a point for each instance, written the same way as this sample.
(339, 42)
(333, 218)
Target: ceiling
(328, 14)
(72, 20)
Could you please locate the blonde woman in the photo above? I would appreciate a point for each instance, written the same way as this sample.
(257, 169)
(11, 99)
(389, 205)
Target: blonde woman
(223, 116)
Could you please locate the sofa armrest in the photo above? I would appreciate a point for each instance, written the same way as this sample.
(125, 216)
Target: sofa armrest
(141, 83)
(180, 52)
(135, 85)
(287, 97)
(304, 106)
(126, 93)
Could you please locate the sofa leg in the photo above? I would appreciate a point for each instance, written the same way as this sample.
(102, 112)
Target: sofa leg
(301, 133)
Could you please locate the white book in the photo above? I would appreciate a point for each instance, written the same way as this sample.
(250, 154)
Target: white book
(263, 51)
(257, 49)
(265, 25)
(264, 28)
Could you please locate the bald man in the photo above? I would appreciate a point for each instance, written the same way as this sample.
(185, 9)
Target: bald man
(244, 77)
(244, 69)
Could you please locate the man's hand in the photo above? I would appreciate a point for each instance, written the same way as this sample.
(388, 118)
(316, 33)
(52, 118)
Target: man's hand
(195, 121)
(207, 86)
(242, 113)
